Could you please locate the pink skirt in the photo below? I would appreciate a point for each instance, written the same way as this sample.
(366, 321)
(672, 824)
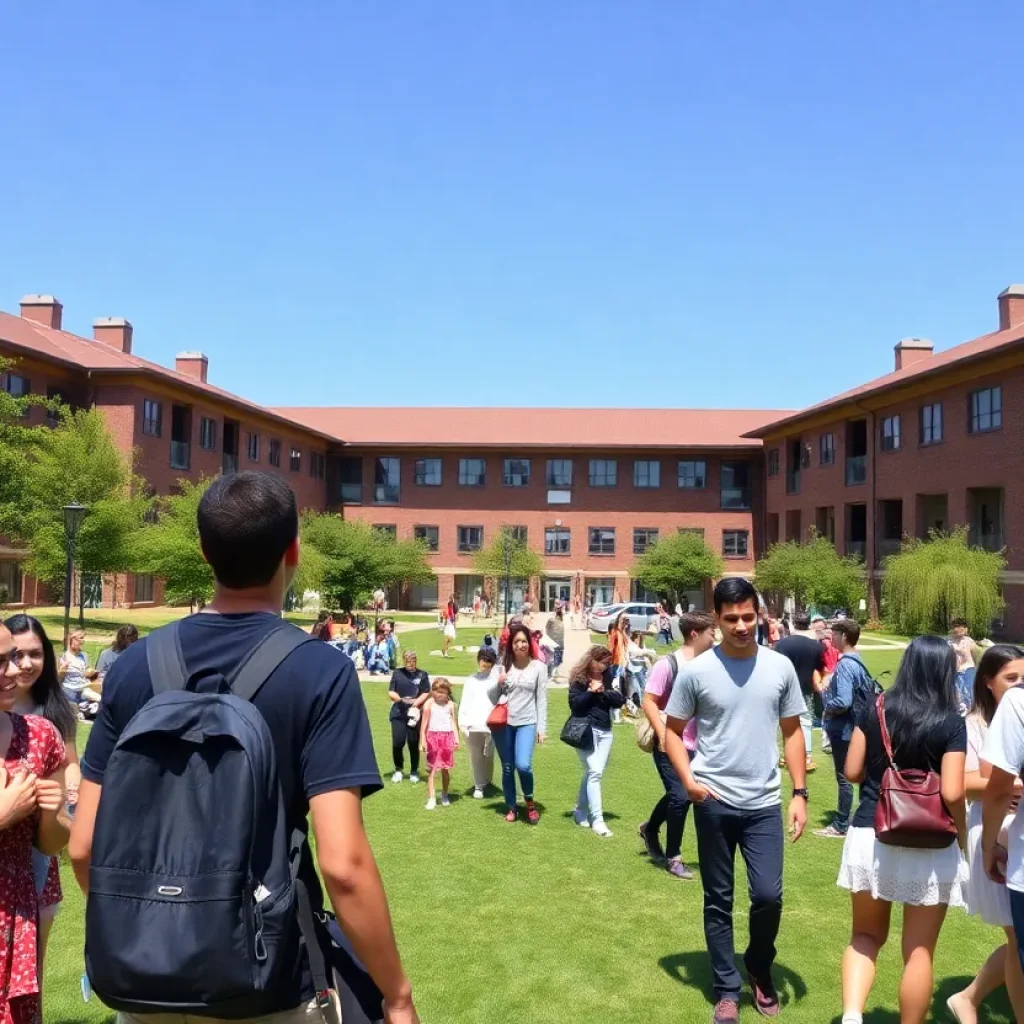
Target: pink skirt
(440, 750)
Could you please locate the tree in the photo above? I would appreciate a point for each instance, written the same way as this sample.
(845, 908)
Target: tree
(813, 573)
(933, 581)
(522, 561)
(18, 442)
(679, 562)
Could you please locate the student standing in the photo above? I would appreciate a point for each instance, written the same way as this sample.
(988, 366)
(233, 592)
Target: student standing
(73, 670)
(408, 692)
(439, 739)
(740, 689)
(803, 649)
(964, 647)
(473, 712)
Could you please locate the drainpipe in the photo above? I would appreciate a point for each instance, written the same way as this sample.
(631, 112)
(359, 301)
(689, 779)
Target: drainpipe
(870, 559)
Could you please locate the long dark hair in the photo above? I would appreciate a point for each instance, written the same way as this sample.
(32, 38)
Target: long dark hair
(46, 692)
(922, 697)
(993, 661)
(513, 632)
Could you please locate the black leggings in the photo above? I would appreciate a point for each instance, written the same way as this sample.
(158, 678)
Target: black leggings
(401, 736)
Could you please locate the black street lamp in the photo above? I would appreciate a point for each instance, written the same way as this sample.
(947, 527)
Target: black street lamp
(73, 516)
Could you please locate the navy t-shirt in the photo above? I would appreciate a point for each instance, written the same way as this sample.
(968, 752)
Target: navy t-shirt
(312, 704)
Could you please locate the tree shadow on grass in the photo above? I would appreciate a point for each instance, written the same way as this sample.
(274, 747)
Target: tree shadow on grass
(694, 969)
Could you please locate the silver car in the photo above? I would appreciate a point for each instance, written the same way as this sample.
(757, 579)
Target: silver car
(641, 615)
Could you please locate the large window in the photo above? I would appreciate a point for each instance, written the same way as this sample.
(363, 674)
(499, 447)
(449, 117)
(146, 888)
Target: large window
(317, 465)
(17, 386)
(827, 449)
(274, 452)
(295, 460)
(735, 543)
(986, 410)
(386, 481)
(773, 462)
(142, 588)
(643, 538)
(208, 434)
(891, 434)
(931, 423)
(736, 485)
(647, 473)
(603, 472)
(601, 540)
(350, 479)
(693, 476)
(515, 472)
(252, 446)
(472, 472)
(152, 417)
(556, 540)
(428, 535)
(559, 473)
(427, 473)
(470, 538)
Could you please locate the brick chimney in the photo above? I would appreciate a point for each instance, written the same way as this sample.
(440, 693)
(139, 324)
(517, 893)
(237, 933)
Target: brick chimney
(192, 364)
(1011, 307)
(114, 331)
(42, 309)
(912, 350)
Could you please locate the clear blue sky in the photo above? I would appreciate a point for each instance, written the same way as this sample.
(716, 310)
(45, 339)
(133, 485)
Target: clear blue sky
(585, 203)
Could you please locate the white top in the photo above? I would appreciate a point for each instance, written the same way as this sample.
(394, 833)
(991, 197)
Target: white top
(440, 717)
(476, 705)
(76, 666)
(1004, 749)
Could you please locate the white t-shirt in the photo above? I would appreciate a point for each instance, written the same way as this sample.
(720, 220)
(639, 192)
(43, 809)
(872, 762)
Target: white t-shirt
(1004, 749)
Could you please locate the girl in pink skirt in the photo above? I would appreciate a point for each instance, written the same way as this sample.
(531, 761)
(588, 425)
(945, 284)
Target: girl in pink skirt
(439, 738)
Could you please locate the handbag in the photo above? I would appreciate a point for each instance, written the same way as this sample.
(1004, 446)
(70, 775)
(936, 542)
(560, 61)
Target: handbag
(498, 718)
(910, 810)
(577, 732)
(646, 737)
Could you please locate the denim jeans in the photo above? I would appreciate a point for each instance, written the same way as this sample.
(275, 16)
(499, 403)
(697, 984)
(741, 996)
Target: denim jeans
(594, 763)
(672, 808)
(965, 686)
(1017, 915)
(514, 744)
(758, 834)
(839, 750)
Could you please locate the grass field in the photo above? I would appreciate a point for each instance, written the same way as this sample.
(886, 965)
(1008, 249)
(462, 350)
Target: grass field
(507, 924)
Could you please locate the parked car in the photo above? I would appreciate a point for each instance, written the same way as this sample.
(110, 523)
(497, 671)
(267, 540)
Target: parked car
(641, 615)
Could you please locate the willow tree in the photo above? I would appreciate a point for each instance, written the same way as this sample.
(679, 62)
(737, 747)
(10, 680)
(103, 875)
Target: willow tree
(933, 581)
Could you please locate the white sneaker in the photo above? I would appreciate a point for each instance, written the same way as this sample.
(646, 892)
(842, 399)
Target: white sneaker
(431, 804)
(580, 818)
(397, 777)
(599, 828)
(478, 793)
(445, 802)
(414, 778)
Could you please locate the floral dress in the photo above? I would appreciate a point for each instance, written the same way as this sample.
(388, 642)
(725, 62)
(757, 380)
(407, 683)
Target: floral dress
(36, 747)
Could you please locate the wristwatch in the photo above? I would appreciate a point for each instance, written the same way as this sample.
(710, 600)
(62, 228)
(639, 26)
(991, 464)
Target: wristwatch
(801, 792)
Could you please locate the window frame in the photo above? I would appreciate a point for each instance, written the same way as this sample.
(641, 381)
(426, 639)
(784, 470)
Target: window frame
(422, 475)
(974, 414)
(207, 433)
(252, 446)
(467, 549)
(891, 437)
(610, 479)
(26, 384)
(701, 475)
(637, 474)
(274, 452)
(592, 531)
(295, 459)
(344, 462)
(464, 472)
(378, 463)
(318, 465)
(773, 459)
(731, 465)
(432, 547)
(551, 473)
(924, 428)
(551, 551)
(147, 588)
(149, 420)
(827, 447)
(507, 476)
(649, 541)
(735, 535)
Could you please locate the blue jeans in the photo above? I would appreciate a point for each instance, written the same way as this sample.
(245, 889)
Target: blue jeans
(514, 744)
(840, 747)
(594, 763)
(1017, 914)
(965, 686)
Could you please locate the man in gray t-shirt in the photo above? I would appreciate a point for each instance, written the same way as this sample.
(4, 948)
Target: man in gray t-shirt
(740, 694)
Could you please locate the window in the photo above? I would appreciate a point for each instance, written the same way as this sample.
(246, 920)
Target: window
(986, 410)
(827, 449)
(274, 454)
(295, 460)
(773, 462)
(17, 386)
(647, 473)
(208, 435)
(427, 473)
(152, 416)
(515, 472)
(697, 530)
(603, 472)
(427, 535)
(11, 582)
(734, 543)
(891, 433)
(518, 533)
(472, 472)
(693, 476)
(317, 465)
(54, 395)
(556, 540)
(143, 588)
(601, 540)
(736, 485)
(559, 473)
(252, 447)
(931, 423)
(470, 538)
(350, 480)
(386, 481)
(643, 538)
(389, 529)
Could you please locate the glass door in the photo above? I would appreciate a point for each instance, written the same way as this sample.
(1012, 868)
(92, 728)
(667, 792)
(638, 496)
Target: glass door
(555, 591)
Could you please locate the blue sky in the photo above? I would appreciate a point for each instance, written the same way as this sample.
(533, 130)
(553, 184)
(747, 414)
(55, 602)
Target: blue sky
(672, 203)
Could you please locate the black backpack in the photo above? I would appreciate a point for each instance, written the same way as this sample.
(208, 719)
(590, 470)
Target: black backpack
(195, 906)
(865, 691)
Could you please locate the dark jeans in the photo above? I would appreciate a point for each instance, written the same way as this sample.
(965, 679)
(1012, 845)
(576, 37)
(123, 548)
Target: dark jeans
(839, 749)
(758, 834)
(403, 735)
(1017, 916)
(672, 808)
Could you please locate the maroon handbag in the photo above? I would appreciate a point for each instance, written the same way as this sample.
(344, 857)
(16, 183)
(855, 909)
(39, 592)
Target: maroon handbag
(910, 810)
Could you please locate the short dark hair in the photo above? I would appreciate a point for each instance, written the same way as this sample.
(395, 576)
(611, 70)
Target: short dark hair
(247, 521)
(802, 621)
(958, 622)
(695, 622)
(735, 590)
(848, 630)
(487, 655)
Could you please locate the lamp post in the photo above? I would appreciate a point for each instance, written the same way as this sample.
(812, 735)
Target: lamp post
(506, 555)
(73, 516)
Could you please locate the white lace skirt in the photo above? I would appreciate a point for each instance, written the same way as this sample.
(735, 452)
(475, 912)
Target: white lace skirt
(922, 878)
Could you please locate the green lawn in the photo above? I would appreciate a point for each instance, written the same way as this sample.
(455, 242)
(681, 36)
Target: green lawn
(508, 924)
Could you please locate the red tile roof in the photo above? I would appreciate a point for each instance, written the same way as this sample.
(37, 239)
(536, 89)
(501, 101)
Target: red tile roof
(970, 351)
(532, 428)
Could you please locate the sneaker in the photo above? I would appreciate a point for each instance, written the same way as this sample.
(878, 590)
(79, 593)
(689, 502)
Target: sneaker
(677, 869)
(600, 829)
(445, 802)
(478, 793)
(431, 804)
(414, 777)
(826, 747)
(532, 814)
(830, 832)
(727, 1011)
(766, 999)
(511, 815)
(580, 818)
(810, 766)
(397, 777)
(651, 844)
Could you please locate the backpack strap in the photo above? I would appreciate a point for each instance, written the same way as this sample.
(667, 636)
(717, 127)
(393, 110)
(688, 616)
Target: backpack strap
(886, 742)
(167, 669)
(310, 933)
(264, 658)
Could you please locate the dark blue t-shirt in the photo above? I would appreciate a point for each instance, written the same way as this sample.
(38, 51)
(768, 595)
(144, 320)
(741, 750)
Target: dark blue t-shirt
(312, 704)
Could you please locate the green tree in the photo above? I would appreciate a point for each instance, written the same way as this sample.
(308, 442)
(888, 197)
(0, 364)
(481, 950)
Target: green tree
(813, 573)
(18, 443)
(933, 581)
(676, 563)
(522, 561)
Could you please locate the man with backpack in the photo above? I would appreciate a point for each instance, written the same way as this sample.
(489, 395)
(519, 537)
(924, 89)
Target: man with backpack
(218, 735)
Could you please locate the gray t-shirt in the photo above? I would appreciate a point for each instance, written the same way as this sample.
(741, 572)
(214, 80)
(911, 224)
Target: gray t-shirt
(738, 703)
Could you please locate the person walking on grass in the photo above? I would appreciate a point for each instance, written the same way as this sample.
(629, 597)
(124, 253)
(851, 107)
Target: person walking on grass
(804, 650)
(926, 733)
(592, 696)
(964, 647)
(473, 712)
(1001, 669)
(698, 632)
(741, 694)
(439, 739)
(523, 682)
(408, 692)
(449, 618)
